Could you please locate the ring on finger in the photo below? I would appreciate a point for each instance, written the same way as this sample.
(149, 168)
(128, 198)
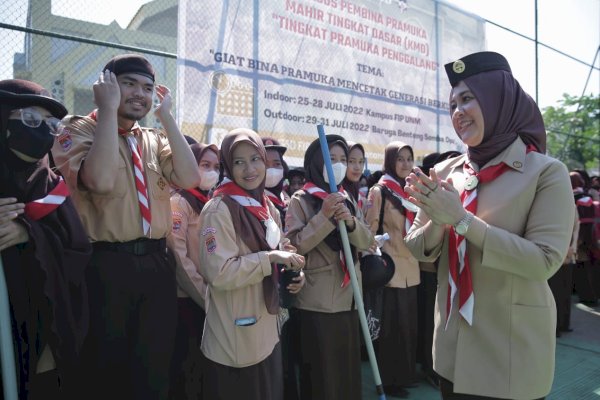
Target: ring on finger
(433, 188)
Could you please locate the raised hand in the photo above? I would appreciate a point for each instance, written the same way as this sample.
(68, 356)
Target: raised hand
(165, 101)
(107, 93)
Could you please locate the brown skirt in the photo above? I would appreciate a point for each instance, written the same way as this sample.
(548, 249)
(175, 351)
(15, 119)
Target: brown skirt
(262, 381)
(397, 343)
(330, 356)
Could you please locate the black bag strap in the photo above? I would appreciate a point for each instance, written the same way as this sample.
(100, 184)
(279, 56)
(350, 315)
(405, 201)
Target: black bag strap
(380, 227)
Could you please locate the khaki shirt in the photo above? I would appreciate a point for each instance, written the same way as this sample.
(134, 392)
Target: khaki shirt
(307, 230)
(115, 217)
(184, 241)
(519, 240)
(234, 275)
(407, 267)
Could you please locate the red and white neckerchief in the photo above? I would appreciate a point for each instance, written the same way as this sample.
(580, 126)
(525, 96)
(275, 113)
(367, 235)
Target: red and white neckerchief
(459, 280)
(585, 201)
(39, 208)
(199, 195)
(394, 186)
(138, 172)
(319, 193)
(362, 200)
(278, 201)
(260, 211)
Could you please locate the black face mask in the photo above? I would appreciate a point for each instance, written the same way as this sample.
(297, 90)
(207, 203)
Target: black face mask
(33, 142)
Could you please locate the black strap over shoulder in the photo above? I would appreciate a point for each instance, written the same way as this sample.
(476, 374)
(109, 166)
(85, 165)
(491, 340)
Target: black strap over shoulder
(380, 227)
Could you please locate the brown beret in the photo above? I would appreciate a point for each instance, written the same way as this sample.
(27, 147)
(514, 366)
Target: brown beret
(19, 93)
(130, 63)
(474, 64)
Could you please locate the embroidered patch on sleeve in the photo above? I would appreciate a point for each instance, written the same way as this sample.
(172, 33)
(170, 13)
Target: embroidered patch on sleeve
(211, 244)
(161, 183)
(208, 230)
(177, 217)
(65, 140)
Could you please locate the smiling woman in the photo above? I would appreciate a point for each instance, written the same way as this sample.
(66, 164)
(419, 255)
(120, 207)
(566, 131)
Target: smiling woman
(248, 167)
(489, 219)
(467, 118)
(241, 233)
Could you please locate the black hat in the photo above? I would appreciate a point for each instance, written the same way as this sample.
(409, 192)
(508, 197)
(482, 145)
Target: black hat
(190, 140)
(299, 171)
(273, 144)
(376, 271)
(21, 93)
(130, 63)
(429, 161)
(474, 64)
(448, 155)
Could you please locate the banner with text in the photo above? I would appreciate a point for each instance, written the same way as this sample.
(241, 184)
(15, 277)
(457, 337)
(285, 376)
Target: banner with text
(369, 70)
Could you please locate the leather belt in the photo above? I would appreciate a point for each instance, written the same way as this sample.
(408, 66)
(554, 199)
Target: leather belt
(138, 247)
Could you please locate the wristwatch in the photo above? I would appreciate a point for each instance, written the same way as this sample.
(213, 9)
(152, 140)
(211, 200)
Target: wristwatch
(462, 226)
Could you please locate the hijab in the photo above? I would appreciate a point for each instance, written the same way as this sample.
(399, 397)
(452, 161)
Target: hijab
(508, 112)
(313, 165)
(390, 158)
(251, 230)
(198, 150)
(352, 187)
(230, 141)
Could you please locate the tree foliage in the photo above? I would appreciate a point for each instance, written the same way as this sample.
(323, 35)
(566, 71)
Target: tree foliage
(573, 129)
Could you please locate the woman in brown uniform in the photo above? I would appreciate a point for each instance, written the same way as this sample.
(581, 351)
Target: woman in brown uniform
(184, 241)
(329, 333)
(500, 219)
(397, 344)
(354, 173)
(239, 236)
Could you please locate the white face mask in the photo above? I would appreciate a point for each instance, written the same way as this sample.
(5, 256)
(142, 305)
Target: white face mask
(208, 179)
(339, 172)
(274, 176)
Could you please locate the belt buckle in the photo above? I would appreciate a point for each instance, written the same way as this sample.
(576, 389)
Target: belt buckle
(139, 248)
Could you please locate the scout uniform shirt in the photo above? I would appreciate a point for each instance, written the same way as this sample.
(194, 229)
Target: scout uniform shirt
(115, 216)
(514, 317)
(239, 331)
(307, 230)
(184, 240)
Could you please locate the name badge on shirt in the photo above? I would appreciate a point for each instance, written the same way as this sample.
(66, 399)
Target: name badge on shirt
(472, 182)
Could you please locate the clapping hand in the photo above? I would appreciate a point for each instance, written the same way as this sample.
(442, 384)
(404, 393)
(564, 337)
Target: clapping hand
(436, 197)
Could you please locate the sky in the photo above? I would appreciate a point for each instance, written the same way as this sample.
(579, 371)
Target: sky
(572, 27)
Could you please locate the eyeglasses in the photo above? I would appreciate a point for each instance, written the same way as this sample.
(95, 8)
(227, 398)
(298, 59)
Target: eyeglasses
(33, 119)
